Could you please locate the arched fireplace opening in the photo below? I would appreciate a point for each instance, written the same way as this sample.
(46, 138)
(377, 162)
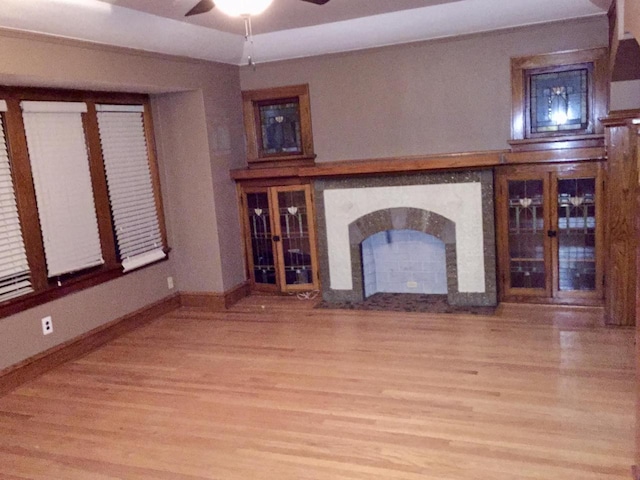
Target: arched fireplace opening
(404, 261)
(402, 220)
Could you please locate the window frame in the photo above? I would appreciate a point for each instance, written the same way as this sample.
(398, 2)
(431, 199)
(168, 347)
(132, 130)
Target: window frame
(522, 68)
(45, 289)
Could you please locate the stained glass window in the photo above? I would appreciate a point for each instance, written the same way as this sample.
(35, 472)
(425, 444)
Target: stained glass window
(280, 127)
(559, 101)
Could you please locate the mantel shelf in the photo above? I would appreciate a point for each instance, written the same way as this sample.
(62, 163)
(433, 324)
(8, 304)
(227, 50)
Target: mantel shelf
(452, 161)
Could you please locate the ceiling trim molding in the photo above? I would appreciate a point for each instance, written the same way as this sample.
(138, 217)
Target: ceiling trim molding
(103, 23)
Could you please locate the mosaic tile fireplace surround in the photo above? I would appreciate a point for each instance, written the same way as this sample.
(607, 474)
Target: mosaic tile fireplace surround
(454, 207)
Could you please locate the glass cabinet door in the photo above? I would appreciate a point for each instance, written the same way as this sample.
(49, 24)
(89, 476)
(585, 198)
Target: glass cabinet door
(527, 234)
(261, 256)
(577, 234)
(296, 242)
(549, 233)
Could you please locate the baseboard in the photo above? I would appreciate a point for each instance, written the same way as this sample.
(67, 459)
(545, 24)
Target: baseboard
(237, 293)
(31, 368)
(215, 301)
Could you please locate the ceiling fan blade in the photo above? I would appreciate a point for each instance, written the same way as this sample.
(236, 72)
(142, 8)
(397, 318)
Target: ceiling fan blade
(203, 6)
(317, 2)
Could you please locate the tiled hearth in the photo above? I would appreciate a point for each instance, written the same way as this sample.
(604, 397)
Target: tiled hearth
(455, 207)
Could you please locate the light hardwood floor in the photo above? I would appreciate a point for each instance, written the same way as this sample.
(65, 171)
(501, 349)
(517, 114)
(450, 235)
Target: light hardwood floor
(287, 392)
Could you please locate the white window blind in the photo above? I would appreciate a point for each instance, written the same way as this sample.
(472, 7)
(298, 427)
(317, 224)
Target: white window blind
(126, 158)
(14, 269)
(62, 181)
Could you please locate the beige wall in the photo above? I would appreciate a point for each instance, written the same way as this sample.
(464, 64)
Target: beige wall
(632, 18)
(21, 335)
(625, 95)
(442, 96)
(196, 107)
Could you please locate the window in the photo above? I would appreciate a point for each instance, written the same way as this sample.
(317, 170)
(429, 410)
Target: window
(131, 192)
(79, 192)
(64, 195)
(557, 99)
(14, 270)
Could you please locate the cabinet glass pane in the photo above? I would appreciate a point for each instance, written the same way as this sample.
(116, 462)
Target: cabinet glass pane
(526, 234)
(296, 247)
(264, 270)
(576, 234)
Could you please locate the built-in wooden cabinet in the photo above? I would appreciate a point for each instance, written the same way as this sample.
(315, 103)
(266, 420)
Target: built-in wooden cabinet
(280, 240)
(550, 235)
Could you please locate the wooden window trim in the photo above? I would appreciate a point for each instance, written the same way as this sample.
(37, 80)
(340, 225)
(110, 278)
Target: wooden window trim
(598, 99)
(251, 102)
(45, 289)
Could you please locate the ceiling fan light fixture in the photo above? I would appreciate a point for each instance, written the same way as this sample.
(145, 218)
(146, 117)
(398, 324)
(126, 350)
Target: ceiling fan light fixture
(242, 8)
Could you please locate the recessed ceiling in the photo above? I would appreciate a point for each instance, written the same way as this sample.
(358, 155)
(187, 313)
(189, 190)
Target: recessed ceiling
(281, 15)
(288, 29)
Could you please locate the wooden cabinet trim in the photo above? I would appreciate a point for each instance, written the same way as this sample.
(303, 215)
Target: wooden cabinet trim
(272, 192)
(549, 174)
(394, 165)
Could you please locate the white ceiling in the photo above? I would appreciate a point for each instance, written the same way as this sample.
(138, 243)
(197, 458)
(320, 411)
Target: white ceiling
(289, 29)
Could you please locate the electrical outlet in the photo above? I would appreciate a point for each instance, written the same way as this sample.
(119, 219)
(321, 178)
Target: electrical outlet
(47, 325)
(412, 284)
(170, 282)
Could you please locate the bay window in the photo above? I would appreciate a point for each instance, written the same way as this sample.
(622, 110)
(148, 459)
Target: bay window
(79, 192)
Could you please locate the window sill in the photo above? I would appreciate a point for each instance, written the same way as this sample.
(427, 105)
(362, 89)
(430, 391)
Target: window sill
(72, 285)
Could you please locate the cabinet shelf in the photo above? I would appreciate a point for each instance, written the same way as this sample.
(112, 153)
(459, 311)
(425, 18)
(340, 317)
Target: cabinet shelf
(527, 231)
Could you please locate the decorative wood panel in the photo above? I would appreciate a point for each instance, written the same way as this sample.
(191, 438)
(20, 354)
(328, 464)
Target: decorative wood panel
(636, 468)
(620, 214)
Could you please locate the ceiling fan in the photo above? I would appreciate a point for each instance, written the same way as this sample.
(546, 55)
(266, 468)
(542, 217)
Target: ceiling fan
(204, 6)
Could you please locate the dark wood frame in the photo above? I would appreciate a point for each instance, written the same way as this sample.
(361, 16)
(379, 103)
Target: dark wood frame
(419, 163)
(272, 192)
(522, 68)
(46, 289)
(549, 174)
(246, 230)
(623, 163)
(251, 102)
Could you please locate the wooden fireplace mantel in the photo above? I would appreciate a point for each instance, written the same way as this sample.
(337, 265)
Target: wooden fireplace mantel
(451, 161)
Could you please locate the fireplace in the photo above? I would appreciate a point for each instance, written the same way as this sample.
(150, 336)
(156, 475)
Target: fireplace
(455, 208)
(404, 261)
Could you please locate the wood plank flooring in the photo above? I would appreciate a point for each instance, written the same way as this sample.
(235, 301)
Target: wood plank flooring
(276, 390)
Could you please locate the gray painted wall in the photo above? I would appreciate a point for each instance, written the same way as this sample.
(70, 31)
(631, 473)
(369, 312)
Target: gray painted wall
(441, 96)
(450, 95)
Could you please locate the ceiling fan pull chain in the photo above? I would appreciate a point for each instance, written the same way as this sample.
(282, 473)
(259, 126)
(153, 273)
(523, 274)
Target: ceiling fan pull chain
(248, 37)
(248, 34)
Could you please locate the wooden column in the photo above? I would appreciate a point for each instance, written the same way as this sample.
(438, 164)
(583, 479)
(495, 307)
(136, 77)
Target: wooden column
(620, 215)
(636, 468)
